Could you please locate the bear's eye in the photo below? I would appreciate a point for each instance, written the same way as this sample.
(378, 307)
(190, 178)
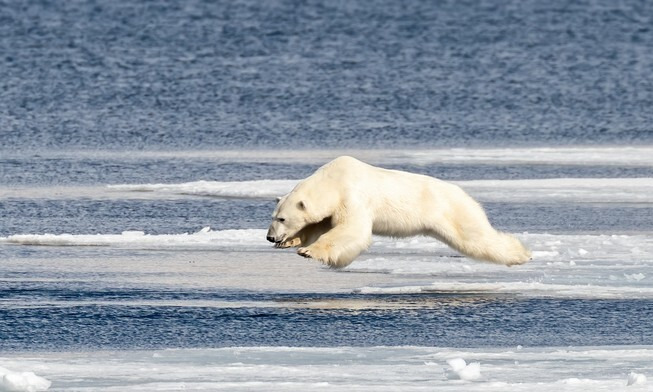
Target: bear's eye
(281, 219)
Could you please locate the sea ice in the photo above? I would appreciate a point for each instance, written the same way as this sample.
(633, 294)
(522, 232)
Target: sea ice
(234, 189)
(635, 277)
(358, 369)
(580, 156)
(464, 371)
(11, 381)
(416, 265)
(585, 190)
(636, 379)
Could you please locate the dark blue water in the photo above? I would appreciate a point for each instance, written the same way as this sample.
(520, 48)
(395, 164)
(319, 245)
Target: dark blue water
(433, 320)
(205, 74)
(36, 170)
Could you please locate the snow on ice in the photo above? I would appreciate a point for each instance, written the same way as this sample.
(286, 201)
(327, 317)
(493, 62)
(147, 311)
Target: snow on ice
(581, 156)
(11, 381)
(609, 269)
(636, 379)
(410, 369)
(586, 190)
(464, 371)
(233, 189)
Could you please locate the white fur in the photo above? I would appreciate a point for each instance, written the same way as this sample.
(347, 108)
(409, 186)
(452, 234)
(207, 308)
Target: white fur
(333, 213)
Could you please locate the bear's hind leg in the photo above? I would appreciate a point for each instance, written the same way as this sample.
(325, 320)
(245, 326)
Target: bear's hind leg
(483, 242)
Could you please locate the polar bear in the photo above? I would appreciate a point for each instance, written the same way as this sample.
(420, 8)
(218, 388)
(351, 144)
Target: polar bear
(332, 214)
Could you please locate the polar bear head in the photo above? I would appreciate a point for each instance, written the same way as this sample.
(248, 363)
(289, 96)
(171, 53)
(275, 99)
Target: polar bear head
(288, 218)
(312, 201)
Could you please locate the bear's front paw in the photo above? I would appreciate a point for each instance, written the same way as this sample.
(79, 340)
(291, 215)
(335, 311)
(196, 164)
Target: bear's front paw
(305, 252)
(314, 252)
(288, 243)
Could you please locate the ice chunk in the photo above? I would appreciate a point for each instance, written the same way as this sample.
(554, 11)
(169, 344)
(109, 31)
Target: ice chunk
(11, 381)
(133, 233)
(464, 371)
(457, 364)
(636, 379)
(635, 277)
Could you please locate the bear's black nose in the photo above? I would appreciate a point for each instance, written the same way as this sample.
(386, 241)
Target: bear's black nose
(271, 239)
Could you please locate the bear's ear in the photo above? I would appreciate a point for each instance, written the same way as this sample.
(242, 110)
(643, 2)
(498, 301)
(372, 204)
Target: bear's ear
(301, 205)
(278, 199)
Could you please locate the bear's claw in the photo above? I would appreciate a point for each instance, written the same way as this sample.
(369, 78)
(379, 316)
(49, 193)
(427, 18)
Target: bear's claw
(304, 252)
(288, 243)
(314, 253)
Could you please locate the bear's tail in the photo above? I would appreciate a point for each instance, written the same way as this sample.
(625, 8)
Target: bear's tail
(498, 247)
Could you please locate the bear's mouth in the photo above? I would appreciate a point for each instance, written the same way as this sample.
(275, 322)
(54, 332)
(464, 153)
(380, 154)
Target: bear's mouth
(275, 240)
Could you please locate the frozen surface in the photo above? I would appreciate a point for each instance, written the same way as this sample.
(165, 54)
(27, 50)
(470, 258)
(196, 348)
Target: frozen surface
(573, 190)
(592, 266)
(465, 371)
(30, 169)
(586, 190)
(235, 189)
(558, 155)
(636, 379)
(137, 239)
(11, 381)
(344, 369)
(601, 266)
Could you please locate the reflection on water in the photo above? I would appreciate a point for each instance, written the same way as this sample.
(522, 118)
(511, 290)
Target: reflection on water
(431, 300)
(127, 319)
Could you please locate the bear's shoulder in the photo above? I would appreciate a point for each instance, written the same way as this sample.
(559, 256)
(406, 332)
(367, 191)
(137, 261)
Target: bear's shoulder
(345, 160)
(343, 168)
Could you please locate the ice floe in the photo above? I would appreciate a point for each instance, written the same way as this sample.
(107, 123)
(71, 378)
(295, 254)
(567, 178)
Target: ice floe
(537, 369)
(139, 239)
(585, 156)
(580, 190)
(592, 266)
(233, 189)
